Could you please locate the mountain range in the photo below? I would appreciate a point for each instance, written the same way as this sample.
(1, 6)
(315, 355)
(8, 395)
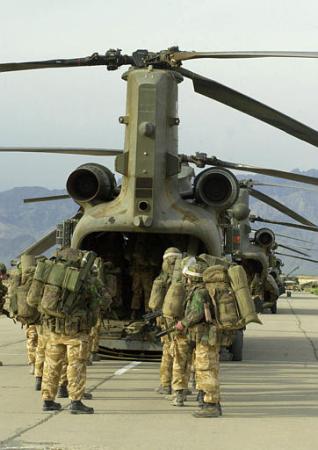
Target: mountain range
(22, 224)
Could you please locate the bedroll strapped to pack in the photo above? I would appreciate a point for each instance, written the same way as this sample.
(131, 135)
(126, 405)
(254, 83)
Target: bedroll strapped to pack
(26, 314)
(239, 284)
(226, 310)
(173, 305)
(158, 293)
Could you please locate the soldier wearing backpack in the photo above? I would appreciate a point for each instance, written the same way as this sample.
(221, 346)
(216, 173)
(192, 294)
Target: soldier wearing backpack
(3, 288)
(68, 299)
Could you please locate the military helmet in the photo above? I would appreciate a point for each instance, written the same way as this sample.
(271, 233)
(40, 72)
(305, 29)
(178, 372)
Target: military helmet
(172, 251)
(3, 269)
(194, 271)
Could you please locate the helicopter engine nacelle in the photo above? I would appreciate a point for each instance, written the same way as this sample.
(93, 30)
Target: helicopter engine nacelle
(91, 182)
(216, 187)
(264, 237)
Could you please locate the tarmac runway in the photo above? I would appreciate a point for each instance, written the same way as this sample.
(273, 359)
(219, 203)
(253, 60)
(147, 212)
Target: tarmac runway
(270, 400)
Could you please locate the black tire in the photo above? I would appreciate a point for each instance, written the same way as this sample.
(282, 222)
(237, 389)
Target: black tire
(237, 347)
(274, 308)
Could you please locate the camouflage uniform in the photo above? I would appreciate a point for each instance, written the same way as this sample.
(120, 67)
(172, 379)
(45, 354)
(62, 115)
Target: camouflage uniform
(204, 337)
(94, 336)
(31, 344)
(142, 268)
(3, 289)
(69, 338)
(169, 259)
(60, 346)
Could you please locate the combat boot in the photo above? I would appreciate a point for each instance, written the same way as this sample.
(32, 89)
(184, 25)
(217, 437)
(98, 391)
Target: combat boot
(179, 398)
(208, 410)
(62, 391)
(164, 390)
(1, 363)
(77, 407)
(38, 383)
(200, 398)
(95, 357)
(50, 405)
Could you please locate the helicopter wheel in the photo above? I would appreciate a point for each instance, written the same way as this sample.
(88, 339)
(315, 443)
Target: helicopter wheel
(237, 346)
(274, 308)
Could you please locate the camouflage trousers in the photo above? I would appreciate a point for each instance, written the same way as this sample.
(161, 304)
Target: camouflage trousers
(141, 289)
(207, 371)
(94, 336)
(58, 348)
(166, 363)
(181, 350)
(43, 337)
(31, 343)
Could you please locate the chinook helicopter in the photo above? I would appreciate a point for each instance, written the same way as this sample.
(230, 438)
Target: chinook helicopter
(160, 203)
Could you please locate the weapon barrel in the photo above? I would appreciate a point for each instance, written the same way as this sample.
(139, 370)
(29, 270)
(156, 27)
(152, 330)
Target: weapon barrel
(152, 315)
(165, 332)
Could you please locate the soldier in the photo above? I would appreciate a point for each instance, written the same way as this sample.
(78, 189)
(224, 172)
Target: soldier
(3, 288)
(69, 335)
(143, 266)
(169, 258)
(203, 336)
(31, 344)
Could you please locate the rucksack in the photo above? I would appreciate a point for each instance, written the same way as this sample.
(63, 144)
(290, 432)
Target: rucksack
(26, 314)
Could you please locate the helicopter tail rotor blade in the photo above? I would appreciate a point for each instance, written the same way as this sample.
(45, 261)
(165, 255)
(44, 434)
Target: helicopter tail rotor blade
(297, 257)
(63, 151)
(234, 99)
(46, 199)
(292, 249)
(279, 206)
(186, 55)
(286, 224)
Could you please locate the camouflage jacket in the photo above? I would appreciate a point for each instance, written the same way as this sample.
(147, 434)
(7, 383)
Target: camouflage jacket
(197, 329)
(3, 291)
(194, 312)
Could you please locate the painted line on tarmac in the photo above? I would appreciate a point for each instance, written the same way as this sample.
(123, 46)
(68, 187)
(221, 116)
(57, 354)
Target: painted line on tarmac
(4, 444)
(301, 328)
(128, 367)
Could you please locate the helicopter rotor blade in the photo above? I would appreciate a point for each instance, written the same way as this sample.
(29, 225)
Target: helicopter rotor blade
(279, 206)
(201, 159)
(42, 245)
(94, 60)
(188, 55)
(46, 199)
(63, 151)
(292, 249)
(284, 185)
(292, 238)
(286, 224)
(297, 257)
(234, 99)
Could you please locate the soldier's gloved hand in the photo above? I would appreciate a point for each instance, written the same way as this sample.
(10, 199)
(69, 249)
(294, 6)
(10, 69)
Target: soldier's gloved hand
(179, 326)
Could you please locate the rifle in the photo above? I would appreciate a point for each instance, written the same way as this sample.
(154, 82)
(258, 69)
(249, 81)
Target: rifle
(152, 315)
(165, 332)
